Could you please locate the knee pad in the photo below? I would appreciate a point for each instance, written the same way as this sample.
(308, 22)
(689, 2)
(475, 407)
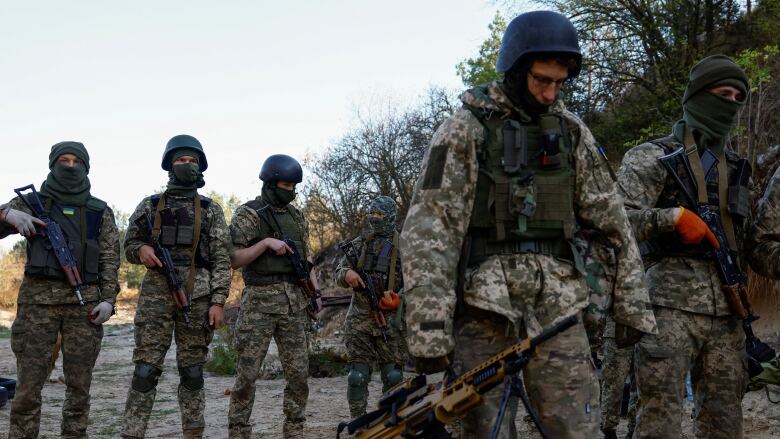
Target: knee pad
(357, 381)
(391, 375)
(145, 377)
(191, 377)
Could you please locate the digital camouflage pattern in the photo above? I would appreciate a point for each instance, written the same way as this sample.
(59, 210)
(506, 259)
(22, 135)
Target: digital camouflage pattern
(33, 336)
(46, 307)
(532, 291)
(618, 365)
(277, 310)
(763, 243)
(600, 267)
(718, 375)
(157, 320)
(696, 330)
(362, 336)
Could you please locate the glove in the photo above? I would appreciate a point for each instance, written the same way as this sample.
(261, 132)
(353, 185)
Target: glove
(101, 312)
(389, 302)
(23, 222)
(626, 336)
(692, 229)
(432, 365)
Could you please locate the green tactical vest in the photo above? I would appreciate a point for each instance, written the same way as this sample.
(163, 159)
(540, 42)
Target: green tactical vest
(269, 267)
(81, 226)
(177, 229)
(525, 188)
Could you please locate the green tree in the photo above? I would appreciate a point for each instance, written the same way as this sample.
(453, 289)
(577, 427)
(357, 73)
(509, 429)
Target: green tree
(482, 68)
(228, 202)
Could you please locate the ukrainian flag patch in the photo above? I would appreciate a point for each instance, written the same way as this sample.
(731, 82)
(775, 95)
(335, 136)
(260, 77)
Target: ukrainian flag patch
(68, 211)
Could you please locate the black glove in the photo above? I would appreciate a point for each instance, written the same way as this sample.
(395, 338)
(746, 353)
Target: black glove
(432, 365)
(626, 336)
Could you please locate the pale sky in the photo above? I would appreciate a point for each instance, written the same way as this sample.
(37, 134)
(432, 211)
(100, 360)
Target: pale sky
(247, 78)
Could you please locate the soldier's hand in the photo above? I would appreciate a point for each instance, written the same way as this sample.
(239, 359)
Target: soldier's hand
(23, 222)
(353, 279)
(277, 246)
(432, 365)
(101, 312)
(692, 229)
(147, 257)
(216, 316)
(626, 336)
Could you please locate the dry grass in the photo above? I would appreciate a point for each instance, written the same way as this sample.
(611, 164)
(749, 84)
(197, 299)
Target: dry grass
(11, 272)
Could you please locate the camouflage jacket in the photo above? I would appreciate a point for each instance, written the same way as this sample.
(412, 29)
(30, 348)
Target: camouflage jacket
(360, 318)
(245, 231)
(439, 217)
(763, 244)
(42, 291)
(211, 280)
(685, 283)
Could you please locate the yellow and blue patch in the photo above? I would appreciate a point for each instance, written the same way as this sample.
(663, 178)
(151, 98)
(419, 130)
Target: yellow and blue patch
(68, 210)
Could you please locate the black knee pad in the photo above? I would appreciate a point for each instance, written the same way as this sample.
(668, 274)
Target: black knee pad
(145, 377)
(191, 377)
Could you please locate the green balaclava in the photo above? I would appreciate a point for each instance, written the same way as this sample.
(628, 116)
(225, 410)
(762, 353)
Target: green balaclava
(184, 179)
(68, 185)
(711, 116)
(276, 196)
(384, 226)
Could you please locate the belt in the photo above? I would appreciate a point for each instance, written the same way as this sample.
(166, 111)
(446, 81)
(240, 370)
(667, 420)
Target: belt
(269, 279)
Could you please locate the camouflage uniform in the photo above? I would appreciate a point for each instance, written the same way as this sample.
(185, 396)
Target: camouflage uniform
(46, 307)
(157, 320)
(696, 329)
(618, 365)
(272, 306)
(513, 294)
(764, 247)
(365, 345)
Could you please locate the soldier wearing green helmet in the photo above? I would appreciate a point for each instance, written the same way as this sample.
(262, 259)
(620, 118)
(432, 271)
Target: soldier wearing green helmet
(193, 229)
(507, 183)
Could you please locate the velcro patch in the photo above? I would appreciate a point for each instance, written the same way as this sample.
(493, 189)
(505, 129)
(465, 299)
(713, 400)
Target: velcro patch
(435, 169)
(432, 325)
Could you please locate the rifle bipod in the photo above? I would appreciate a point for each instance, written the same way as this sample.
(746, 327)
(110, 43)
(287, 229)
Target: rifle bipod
(514, 387)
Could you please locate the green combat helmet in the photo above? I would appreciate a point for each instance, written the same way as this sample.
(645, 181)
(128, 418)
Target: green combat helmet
(184, 141)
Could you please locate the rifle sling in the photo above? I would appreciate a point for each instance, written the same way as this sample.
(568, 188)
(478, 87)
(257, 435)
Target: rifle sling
(393, 261)
(691, 150)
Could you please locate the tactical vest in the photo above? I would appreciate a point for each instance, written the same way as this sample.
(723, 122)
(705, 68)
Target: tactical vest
(269, 267)
(524, 199)
(737, 206)
(177, 231)
(81, 226)
(379, 256)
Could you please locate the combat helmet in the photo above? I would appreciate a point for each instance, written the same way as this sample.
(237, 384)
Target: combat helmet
(183, 141)
(281, 167)
(538, 32)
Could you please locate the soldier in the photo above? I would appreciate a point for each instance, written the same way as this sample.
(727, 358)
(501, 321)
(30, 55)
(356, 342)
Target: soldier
(377, 255)
(193, 228)
(47, 304)
(697, 330)
(506, 183)
(273, 305)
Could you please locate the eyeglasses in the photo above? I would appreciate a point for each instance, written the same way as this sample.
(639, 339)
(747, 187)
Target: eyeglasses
(545, 82)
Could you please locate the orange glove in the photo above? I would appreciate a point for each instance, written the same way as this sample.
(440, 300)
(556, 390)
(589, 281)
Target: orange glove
(692, 229)
(389, 302)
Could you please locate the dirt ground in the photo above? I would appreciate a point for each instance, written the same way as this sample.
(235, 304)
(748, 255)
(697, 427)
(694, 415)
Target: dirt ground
(327, 400)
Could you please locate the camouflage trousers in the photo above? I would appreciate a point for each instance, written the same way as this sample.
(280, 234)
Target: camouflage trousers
(713, 349)
(367, 348)
(618, 365)
(560, 379)
(33, 336)
(157, 322)
(254, 330)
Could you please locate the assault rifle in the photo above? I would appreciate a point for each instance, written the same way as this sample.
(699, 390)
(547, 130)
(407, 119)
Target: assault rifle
(181, 299)
(416, 409)
(330, 301)
(301, 268)
(372, 293)
(733, 280)
(53, 233)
